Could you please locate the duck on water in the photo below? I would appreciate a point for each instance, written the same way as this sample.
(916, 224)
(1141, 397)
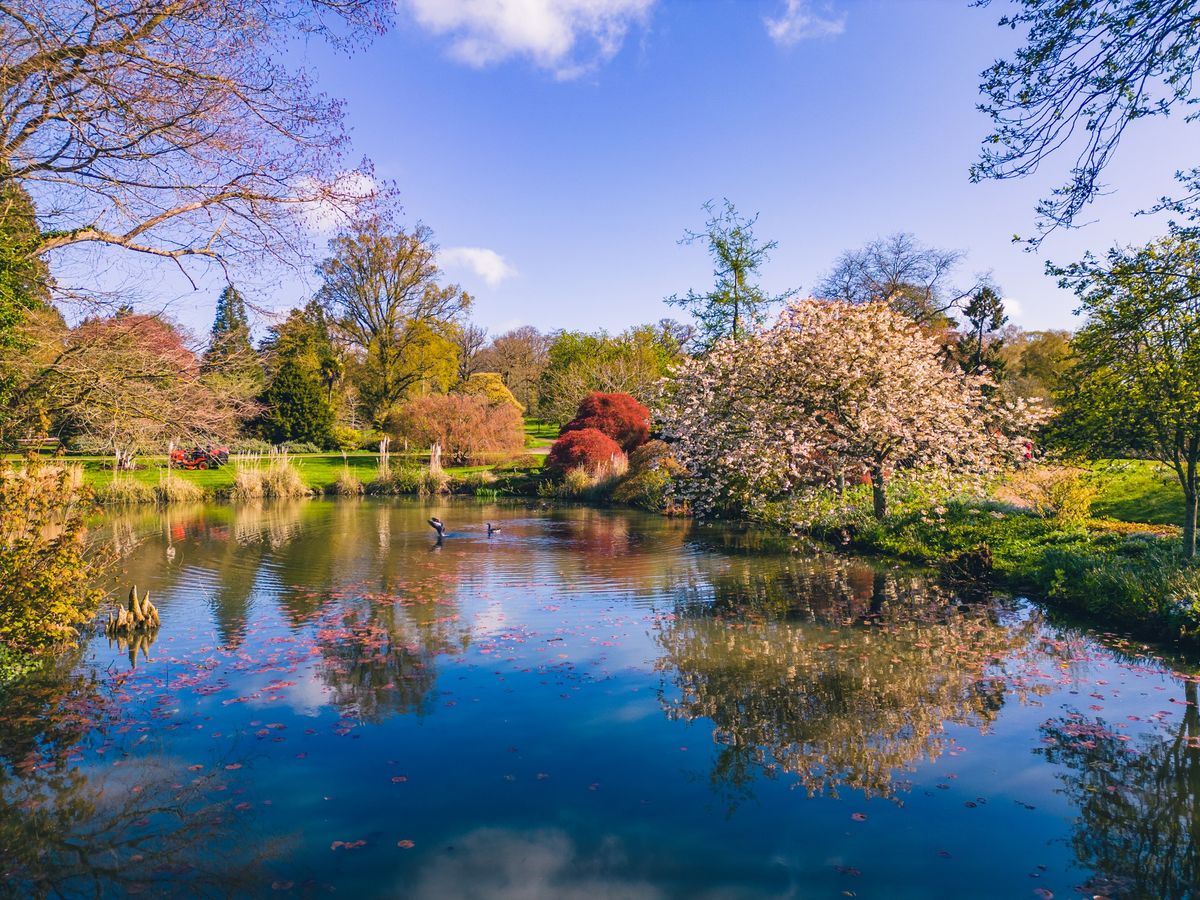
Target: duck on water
(440, 527)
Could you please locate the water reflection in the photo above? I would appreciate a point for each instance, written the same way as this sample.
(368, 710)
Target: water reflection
(1137, 801)
(72, 829)
(835, 672)
(541, 678)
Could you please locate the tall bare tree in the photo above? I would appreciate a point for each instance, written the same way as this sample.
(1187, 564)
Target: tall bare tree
(381, 291)
(913, 279)
(172, 127)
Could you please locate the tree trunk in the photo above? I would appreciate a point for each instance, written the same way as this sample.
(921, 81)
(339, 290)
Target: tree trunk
(879, 492)
(1189, 521)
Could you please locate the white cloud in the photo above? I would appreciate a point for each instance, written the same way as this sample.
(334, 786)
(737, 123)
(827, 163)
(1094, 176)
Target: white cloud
(487, 264)
(566, 37)
(1013, 308)
(802, 20)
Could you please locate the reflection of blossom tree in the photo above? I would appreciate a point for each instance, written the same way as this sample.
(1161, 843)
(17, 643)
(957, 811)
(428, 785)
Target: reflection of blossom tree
(834, 707)
(1138, 825)
(379, 654)
(66, 830)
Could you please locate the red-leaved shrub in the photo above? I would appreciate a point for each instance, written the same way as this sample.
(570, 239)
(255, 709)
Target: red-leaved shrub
(586, 448)
(619, 416)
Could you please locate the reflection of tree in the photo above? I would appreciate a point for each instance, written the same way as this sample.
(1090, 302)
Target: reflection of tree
(834, 707)
(69, 830)
(378, 657)
(1138, 825)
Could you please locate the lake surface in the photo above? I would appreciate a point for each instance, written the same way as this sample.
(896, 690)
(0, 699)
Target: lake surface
(591, 703)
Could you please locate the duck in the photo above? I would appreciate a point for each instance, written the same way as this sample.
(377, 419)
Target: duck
(493, 529)
(436, 524)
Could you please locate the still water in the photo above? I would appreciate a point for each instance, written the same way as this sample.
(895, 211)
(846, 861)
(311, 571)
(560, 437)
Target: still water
(590, 703)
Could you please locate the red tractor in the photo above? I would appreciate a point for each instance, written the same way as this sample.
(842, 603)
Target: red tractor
(208, 458)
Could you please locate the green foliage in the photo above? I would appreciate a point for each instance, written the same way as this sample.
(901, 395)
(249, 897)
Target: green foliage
(24, 281)
(1035, 363)
(491, 386)
(647, 484)
(1136, 379)
(1086, 72)
(1071, 497)
(632, 362)
(736, 305)
(24, 277)
(346, 438)
(296, 408)
(47, 571)
(978, 348)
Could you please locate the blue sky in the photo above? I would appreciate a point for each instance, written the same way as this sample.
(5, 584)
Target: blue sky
(575, 140)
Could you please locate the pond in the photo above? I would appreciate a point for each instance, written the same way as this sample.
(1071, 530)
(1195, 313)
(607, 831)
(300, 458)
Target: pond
(589, 703)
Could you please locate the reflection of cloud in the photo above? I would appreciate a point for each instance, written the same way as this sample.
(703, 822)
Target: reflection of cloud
(510, 865)
(486, 264)
(548, 32)
(801, 20)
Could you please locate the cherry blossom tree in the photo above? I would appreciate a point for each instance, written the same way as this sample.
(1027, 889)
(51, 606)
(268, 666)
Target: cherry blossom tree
(833, 388)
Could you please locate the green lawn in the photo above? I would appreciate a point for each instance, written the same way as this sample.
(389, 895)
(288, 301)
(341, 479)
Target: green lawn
(539, 434)
(1137, 490)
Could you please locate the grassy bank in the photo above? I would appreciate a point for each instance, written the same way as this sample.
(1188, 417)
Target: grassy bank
(1125, 576)
(323, 473)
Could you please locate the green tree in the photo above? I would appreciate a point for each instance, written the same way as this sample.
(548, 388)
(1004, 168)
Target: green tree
(296, 408)
(1137, 372)
(230, 335)
(979, 344)
(382, 294)
(304, 336)
(230, 358)
(735, 305)
(1035, 362)
(579, 363)
(24, 283)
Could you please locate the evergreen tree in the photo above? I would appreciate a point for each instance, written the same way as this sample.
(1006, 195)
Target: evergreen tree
(24, 282)
(979, 345)
(296, 409)
(229, 346)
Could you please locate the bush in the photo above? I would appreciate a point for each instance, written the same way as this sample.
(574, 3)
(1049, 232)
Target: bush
(588, 449)
(648, 482)
(346, 438)
(468, 428)
(125, 489)
(172, 488)
(619, 416)
(47, 573)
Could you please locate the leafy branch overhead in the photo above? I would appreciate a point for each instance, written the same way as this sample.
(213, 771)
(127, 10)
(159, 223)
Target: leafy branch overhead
(1086, 72)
